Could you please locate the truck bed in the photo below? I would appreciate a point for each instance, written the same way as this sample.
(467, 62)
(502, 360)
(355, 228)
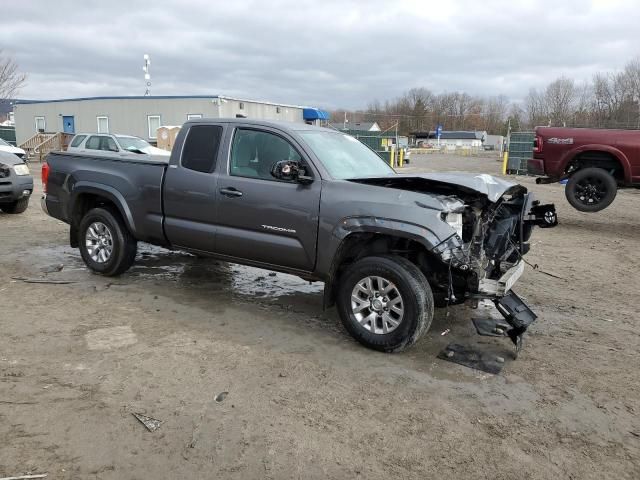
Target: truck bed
(135, 184)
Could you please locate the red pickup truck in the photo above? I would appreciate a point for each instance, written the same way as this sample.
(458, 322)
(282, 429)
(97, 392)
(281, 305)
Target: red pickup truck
(597, 163)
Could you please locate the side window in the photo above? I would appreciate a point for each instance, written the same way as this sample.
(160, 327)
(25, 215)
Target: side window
(78, 140)
(109, 144)
(254, 152)
(93, 143)
(201, 148)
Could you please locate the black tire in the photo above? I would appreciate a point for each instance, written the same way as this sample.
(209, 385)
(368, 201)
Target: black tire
(413, 288)
(16, 207)
(124, 245)
(591, 189)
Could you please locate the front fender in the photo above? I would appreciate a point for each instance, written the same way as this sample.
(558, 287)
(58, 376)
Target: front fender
(386, 226)
(110, 193)
(383, 226)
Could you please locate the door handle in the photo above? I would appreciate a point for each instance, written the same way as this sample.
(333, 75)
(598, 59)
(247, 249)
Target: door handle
(230, 192)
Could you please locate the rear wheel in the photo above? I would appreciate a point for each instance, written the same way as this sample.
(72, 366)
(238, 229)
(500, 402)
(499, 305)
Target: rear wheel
(385, 302)
(19, 206)
(591, 189)
(106, 245)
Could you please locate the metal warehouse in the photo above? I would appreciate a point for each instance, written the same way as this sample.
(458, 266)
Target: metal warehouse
(142, 116)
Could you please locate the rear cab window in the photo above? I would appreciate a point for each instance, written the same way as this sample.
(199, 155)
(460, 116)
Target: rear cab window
(201, 147)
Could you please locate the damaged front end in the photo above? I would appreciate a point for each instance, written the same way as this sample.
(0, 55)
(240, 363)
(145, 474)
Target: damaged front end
(484, 257)
(484, 224)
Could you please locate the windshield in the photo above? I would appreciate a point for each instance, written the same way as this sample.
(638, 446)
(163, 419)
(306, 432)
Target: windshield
(132, 143)
(344, 156)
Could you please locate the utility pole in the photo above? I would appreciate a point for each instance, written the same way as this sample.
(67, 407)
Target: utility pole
(147, 74)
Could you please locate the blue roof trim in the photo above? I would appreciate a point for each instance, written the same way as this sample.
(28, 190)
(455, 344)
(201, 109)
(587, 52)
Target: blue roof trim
(123, 97)
(314, 114)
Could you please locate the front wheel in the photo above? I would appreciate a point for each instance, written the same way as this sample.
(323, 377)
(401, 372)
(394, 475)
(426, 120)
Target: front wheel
(385, 302)
(591, 189)
(106, 245)
(19, 206)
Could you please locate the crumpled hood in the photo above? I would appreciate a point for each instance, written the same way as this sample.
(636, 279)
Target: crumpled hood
(491, 187)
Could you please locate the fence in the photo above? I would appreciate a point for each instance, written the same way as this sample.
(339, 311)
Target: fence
(520, 151)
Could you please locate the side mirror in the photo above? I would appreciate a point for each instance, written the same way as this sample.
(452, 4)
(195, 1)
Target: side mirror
(291, 171)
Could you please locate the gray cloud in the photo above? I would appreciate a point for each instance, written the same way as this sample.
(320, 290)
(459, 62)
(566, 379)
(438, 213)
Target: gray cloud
(331, 53)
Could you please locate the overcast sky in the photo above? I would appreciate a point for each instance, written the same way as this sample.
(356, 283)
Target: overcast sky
(326, 53)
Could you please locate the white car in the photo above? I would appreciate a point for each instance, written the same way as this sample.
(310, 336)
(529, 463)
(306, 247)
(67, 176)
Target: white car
(109, 144)
(7, 147)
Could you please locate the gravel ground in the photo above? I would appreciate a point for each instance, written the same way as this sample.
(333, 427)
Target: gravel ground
(304, 400)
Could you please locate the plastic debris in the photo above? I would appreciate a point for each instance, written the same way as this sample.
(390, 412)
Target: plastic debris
(473, 357)
(42, 280)
(152, 424)
(25, 477)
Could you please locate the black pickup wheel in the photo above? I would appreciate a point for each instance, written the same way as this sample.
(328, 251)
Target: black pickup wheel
(591, 189)
(385, 302)
(106, 245)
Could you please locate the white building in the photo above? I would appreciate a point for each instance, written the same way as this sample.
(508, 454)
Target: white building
(453, 139)
(142, 116)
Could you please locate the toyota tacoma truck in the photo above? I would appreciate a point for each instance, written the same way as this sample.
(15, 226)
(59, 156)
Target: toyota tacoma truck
(315, 203)
(596, 162)
(16, 184)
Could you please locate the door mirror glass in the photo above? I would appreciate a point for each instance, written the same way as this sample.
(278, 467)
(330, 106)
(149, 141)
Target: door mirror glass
(290, 170)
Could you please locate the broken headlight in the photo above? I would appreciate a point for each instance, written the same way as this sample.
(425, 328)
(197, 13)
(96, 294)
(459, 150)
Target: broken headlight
(454, 220)
(451, 252)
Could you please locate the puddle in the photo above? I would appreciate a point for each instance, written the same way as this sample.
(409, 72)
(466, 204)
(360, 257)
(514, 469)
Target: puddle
(186, 270)
(214, 275)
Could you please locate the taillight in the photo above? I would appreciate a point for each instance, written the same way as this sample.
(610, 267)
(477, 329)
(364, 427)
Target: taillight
(45, 176)
(537, 144)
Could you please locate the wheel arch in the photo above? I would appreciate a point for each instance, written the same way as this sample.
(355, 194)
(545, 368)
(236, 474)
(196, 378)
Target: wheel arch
(598, 156)
(86, 196)
(365, 237)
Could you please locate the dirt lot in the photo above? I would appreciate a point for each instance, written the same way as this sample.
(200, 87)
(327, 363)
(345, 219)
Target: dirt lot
(304, 400)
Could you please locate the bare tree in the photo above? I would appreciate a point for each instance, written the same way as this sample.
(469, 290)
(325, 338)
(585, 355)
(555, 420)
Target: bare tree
(560, 97)
(632, 77)
(536, 109)
(10, 79)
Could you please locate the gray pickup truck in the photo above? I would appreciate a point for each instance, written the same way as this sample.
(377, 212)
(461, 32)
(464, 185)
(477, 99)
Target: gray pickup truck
(315, 203)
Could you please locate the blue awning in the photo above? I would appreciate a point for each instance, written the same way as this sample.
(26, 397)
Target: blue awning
(314, 114)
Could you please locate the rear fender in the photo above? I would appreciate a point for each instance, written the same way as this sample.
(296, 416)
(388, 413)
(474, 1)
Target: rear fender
(617, 154)
(107, 192)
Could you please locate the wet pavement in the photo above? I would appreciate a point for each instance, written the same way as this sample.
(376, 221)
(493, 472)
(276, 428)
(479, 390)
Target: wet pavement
(302, 398)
